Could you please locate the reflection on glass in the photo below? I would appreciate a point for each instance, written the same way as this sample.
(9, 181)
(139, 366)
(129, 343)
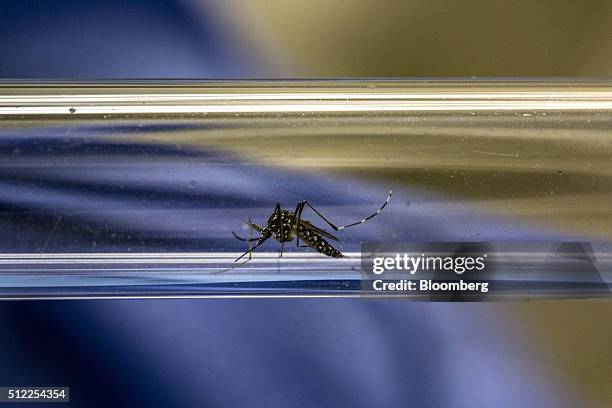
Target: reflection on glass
(135, 189)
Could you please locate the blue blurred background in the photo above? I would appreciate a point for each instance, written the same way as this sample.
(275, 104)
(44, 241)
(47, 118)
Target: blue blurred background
(297, 352)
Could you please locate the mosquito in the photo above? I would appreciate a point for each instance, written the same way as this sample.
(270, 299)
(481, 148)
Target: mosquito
(284, 225)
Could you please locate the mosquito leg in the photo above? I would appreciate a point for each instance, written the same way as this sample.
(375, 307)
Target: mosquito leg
(278, 212)
(260, 240)
(320, 215)
(353, 224)
(295, 222)
(245, 239)
(250, 251)
(250, 241)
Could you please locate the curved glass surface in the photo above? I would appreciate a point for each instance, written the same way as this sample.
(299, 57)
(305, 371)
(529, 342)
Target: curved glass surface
(134, 189)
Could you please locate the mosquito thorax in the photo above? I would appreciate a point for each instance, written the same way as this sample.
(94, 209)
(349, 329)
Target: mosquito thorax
(274, 225)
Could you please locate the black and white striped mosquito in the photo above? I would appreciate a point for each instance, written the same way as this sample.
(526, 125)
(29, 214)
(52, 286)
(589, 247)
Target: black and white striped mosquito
(284, 225)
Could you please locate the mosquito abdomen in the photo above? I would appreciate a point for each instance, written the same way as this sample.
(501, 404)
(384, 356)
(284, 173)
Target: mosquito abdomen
(316, 242)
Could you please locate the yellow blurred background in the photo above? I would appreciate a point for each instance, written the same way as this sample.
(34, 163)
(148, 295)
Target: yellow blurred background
(369, 38)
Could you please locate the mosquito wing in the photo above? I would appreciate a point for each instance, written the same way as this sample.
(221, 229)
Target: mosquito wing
(308, 225)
